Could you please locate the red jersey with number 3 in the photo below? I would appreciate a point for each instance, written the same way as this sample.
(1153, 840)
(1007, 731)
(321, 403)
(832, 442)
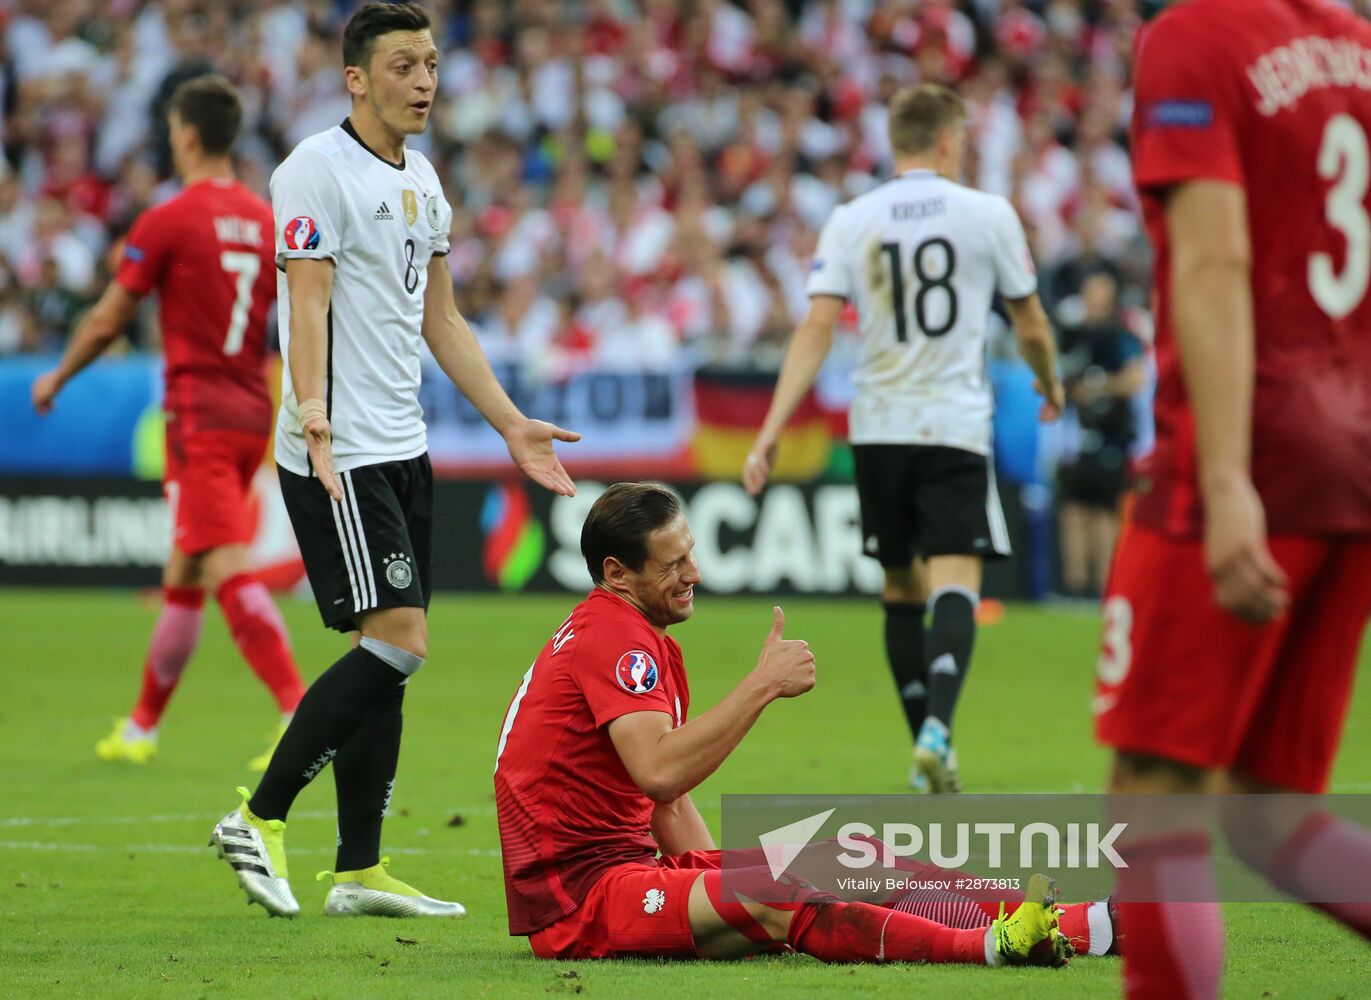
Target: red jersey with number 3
(209, 253)
(568, 809)
(1274, 96)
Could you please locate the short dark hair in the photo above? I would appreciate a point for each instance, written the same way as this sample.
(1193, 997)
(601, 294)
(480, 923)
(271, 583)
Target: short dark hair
(210, 105)
(620, 522)
(373, 21)
(919, 114)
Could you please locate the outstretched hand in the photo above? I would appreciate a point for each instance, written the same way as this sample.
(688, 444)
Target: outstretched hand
(45, 390)
(319, 440)
(786, 665)
(757, 468)
(1054, 400)
(530, 445)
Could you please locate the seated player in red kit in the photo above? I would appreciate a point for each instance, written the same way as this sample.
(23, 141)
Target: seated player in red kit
(208, 253)
(606, 856)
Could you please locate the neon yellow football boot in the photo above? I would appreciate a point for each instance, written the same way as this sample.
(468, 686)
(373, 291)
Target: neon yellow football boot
(125, 746)
(373, 892)
(255, 849)
(1029, 936)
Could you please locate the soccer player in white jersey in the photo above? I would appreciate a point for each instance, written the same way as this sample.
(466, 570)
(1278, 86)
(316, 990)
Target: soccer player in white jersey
(361, 230)
(921, 257)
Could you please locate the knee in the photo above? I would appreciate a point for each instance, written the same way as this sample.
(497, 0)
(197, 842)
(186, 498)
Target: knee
(902, 587)
(219, 565)
(1148, 774)
(415, 640)
(901, 595)
(404, 628)
(775, 920)
(955, 609)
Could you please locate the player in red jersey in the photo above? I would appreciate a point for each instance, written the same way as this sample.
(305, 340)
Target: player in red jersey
(595, 765)
(1241, 589)
(208, 252)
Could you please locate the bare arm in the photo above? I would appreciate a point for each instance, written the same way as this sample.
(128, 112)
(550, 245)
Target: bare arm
(97, 330)
(1039, 349)
(803, 358)
(310, 286)
(678, 827)
(459, 354)
(1211, 311)
(667, 763)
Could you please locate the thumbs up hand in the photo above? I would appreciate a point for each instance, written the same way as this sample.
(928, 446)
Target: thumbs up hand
(786, 666)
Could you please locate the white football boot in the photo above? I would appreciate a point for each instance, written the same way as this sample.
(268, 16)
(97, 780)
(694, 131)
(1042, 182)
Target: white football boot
(256, 851)
(372, 892)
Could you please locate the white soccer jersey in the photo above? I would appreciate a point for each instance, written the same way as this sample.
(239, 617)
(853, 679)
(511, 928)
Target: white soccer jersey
(921, 258)
(380, 224)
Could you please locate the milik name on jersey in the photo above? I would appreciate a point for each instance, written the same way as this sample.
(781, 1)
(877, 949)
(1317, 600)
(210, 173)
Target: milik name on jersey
(1285, 74)
(231, 229)
(912, 211)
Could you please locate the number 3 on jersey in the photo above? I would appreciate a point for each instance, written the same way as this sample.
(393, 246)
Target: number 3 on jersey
(1344, 150)
(934, 263)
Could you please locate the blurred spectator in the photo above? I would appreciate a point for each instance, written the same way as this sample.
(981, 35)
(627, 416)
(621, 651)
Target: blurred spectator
(1102, 369)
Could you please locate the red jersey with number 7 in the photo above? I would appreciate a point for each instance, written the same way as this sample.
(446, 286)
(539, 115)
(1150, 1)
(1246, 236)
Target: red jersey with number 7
(209, 253)
(1273, 96)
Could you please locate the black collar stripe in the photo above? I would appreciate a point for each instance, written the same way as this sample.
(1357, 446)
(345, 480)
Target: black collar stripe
(347, 127)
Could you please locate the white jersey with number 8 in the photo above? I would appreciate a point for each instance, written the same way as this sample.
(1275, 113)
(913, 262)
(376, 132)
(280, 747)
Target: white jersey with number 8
(380, 223)
(921, 258)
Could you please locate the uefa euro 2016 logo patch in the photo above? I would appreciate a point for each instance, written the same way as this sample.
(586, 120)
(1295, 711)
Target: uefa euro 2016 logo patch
(636, 672)
(301, 233)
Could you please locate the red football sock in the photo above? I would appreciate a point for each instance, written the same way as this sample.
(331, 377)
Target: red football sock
(942, 907)
(261, 637)
(1175, 950)
(173, 641)
(860, 932)
(1073, 920)
(1329, 858)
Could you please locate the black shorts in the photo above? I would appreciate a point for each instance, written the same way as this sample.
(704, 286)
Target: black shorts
(1094, 479)
(372, 549)
(928, 500)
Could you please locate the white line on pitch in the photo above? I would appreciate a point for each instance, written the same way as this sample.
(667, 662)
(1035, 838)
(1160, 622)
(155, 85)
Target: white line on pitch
(187, 817)
(1347, 787)
(38, 845)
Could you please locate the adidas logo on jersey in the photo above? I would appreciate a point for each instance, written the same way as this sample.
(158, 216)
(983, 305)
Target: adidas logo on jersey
(383, 213)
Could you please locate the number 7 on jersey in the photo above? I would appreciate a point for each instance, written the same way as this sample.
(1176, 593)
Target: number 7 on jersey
(244, 267)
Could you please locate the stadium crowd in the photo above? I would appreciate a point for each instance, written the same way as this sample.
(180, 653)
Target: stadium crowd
(636, 183)
(631, 178)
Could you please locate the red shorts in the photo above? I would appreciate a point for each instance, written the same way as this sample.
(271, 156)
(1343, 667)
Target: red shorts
(208, 485)
(1180, 678)
(635, 909)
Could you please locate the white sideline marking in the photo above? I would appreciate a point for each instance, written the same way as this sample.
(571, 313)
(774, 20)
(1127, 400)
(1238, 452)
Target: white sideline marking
(38, 845)
(10, 821)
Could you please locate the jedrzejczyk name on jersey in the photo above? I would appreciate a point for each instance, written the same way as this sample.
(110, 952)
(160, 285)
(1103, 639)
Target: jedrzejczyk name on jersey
(921, 258)
(380, 224)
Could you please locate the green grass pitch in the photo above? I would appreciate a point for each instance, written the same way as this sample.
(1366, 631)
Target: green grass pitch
(106, 888)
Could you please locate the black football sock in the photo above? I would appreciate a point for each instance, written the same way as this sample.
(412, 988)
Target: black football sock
(364, 775)
(951, 634)
(904, 650)
(332, 710)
